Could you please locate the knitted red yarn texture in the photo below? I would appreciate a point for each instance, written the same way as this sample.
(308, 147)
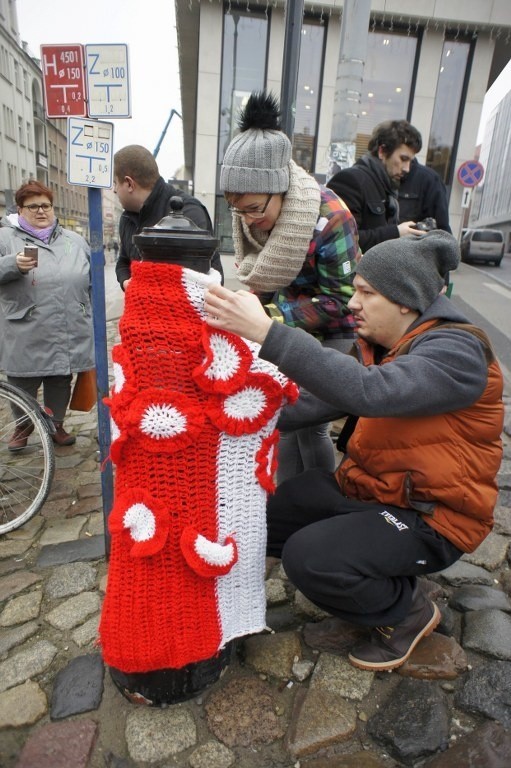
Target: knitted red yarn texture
(193, 415)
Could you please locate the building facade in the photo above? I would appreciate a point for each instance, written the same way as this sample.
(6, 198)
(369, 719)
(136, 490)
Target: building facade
(33, 146)
(491, 201)
(23, 152)
(431, 65)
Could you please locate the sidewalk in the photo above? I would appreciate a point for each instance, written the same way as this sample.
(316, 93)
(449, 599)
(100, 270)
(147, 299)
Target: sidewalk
(289, 698)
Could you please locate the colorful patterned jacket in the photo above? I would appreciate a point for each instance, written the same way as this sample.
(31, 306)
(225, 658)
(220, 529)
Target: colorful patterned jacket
(317, 299)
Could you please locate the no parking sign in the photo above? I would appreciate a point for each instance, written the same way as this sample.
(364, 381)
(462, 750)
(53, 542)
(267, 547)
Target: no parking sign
(470, 173)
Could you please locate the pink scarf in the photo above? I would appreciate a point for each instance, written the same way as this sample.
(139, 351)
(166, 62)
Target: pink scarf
(41, 234)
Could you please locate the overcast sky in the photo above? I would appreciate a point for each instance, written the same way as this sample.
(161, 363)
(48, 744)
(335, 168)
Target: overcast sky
(148, 28)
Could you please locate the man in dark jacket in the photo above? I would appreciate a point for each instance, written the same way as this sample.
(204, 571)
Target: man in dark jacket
(370, 187)
(145, 197)
(422, 196)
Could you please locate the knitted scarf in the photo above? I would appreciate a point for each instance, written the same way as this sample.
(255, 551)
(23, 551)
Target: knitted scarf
(269, 261)
(42, 233)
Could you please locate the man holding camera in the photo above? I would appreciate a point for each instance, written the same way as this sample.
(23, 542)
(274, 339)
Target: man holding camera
(370, 187)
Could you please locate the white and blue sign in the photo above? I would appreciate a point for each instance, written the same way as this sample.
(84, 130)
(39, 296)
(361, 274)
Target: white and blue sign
(90, 152)
(108, 88)
(471, 173)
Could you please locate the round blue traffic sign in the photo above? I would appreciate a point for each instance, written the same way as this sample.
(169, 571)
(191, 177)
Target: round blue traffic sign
(470, 173)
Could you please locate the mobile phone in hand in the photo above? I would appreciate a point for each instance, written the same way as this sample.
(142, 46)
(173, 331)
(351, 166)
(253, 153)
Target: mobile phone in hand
(33, 252)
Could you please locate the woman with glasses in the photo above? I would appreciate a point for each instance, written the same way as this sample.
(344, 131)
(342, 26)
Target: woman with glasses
(45, 310)
(296, 245)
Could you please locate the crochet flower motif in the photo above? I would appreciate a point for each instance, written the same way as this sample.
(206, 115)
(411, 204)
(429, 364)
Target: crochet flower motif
(226, 364)
(266, 461)
(143, 519)
(117, 440)
(249, 409)
(121, 369)
(206, 557)
(164, 420)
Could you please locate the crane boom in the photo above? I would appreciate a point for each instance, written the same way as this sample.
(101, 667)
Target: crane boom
(172, 113)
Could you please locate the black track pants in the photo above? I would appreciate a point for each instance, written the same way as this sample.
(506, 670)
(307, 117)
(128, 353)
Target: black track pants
(356, 560)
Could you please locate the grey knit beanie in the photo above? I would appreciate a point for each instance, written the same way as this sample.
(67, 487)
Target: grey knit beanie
(257, 159)
(411, 270)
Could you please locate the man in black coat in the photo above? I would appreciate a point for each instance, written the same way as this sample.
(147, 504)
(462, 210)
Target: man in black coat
(370, 187)
(145, 197)
(422, 195)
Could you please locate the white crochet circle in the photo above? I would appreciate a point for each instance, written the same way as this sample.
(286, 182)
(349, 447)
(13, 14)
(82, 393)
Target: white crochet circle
(141, 522)
(226, 358)
(162, 421)
(248, 403)
(119, 377)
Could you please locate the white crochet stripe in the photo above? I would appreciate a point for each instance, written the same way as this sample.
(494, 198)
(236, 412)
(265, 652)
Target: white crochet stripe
(241, 503)
(241, 513)
(194, 284)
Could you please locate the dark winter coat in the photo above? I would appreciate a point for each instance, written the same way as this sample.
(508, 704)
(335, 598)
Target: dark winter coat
(421, 195)
(366, 190)
(155, 208)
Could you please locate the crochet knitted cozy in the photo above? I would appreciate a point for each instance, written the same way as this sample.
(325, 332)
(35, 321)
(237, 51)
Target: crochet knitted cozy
(193, 414)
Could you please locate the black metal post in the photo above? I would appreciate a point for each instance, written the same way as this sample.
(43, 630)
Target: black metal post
(290, 64)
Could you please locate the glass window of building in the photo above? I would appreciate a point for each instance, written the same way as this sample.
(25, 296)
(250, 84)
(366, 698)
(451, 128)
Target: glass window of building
(449, 90)
(388, 75)
(308, 91)
(245, 46)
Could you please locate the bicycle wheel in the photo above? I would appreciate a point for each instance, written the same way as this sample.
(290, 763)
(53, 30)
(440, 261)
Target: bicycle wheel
(25, 475)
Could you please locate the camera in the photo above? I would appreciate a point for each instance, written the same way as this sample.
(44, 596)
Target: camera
(426, 225)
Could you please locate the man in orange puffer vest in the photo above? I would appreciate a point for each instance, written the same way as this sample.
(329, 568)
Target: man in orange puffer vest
(417, 486)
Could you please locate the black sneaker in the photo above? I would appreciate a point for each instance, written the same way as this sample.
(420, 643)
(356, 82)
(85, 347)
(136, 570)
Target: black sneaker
(389, 647)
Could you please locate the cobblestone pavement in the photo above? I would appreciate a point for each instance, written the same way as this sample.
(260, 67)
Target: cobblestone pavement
(289, 698)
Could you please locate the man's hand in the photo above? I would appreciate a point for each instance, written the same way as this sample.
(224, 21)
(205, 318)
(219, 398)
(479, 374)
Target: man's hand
(239, 312)
(408, 228)
(126, 283)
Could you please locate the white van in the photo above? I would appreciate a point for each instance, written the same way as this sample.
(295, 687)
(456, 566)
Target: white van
(483, 245)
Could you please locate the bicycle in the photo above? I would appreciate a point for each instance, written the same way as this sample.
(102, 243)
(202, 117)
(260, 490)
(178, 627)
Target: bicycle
(25, 475)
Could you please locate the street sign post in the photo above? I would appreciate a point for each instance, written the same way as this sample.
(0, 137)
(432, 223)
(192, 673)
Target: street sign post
(90, 158)
(90, 152)
(465, 197)
(470, 173)
(63, 80)
(108, 81)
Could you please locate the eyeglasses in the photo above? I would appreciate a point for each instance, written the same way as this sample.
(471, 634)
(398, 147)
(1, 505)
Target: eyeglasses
(254, 214)
(33, 207)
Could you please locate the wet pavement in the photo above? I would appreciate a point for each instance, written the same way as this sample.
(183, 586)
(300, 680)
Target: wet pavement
(288, 699)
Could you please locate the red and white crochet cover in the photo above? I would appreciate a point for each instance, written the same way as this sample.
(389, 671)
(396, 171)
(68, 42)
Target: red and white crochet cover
(193, 414)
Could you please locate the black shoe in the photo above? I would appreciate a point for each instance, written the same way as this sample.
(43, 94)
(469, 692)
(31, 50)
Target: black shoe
(389, 647)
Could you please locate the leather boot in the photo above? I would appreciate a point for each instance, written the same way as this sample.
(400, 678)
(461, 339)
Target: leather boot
(389, 647)
(61, 437)
(20, 436)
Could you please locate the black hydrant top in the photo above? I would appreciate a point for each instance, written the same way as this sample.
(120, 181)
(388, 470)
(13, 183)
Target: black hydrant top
(175, 239)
